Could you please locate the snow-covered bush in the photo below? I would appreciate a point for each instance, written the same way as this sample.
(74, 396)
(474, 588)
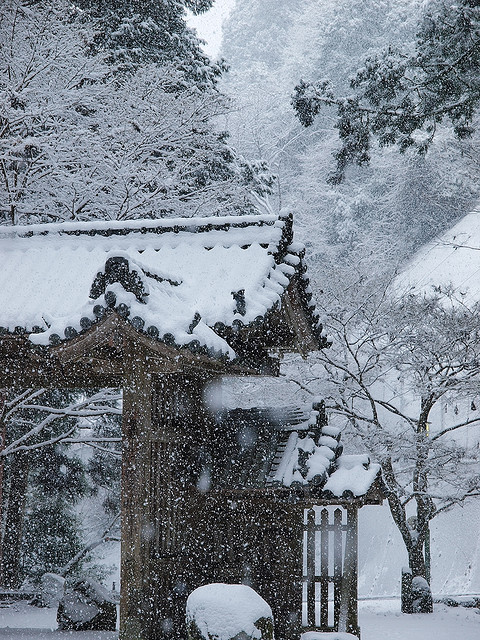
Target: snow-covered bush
(228, 612)
(422, 601)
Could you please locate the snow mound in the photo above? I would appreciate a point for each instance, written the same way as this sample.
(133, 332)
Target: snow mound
(329, 635)
(223, 611)
(52, 589)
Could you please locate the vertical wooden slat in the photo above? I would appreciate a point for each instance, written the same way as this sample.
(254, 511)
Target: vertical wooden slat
(352, 521)
(337, 564)
(348, 618)
(324, 569)
(311, 567)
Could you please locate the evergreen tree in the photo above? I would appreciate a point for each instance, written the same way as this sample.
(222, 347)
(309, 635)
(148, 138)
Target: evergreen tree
(138, 32)
(104, 466)
(42, 485)
(401, 97)
(79, 142)
(52, 533)
(45, 477)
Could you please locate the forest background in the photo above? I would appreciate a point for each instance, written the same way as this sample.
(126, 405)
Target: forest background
(358, 234)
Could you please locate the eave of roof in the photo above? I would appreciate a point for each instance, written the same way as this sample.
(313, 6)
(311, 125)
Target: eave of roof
(283, 281)
(101, 355)
(291, 456)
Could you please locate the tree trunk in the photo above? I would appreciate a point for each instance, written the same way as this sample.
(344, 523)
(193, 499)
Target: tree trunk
(10, 570)
(416, 560)
(413, 532)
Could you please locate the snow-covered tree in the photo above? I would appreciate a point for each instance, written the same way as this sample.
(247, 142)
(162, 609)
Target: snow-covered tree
(134, 33)
(401, 96)
(44, 477)
(47, 94)
(402, 373)
(381, 212)
(79, 142)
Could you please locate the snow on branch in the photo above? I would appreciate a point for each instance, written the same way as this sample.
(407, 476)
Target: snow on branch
(97, 405)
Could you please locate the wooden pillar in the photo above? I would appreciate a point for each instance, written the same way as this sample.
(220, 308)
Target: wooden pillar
(135, 611)
(348, 615)
(160, 414)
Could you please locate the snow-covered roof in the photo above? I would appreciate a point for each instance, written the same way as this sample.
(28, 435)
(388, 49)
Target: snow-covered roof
(181, 281)
(450, 263)
(312, 457)
(292, 450)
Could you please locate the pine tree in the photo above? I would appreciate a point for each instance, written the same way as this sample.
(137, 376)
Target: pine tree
(401, 98)
(138, 32)
(41, 487)
(53, 534)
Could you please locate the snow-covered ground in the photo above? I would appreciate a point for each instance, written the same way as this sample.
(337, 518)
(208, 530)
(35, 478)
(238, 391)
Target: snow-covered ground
(20, 621)
(379, 620)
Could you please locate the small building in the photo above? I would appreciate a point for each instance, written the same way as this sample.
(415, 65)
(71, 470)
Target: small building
(161, 308)
(286, 500)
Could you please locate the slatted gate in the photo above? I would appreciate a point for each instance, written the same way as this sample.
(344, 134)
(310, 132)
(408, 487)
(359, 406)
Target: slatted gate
(330, 570)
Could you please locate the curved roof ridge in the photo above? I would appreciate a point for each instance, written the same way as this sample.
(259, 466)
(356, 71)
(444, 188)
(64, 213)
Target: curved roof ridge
(155, 225)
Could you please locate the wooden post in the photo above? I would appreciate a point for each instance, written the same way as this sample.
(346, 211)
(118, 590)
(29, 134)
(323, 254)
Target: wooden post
(324, 570)
(135, 612)
(337, 564)
(348, 615)
(311, 534)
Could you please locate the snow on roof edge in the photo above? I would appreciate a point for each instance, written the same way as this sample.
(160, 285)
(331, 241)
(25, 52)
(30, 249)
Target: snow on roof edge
(137, 224)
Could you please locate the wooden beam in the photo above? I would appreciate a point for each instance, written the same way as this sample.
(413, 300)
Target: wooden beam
(95, 358)
(305, 341)
(307, 498)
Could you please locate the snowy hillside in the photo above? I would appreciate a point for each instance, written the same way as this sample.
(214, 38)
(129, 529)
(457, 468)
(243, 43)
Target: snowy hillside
(450, 262)
(455, 552)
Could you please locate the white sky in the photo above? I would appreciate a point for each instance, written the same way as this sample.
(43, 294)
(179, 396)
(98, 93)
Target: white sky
(209, 25)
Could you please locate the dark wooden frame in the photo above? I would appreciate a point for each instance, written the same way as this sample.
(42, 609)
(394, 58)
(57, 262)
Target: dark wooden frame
(344, 575)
